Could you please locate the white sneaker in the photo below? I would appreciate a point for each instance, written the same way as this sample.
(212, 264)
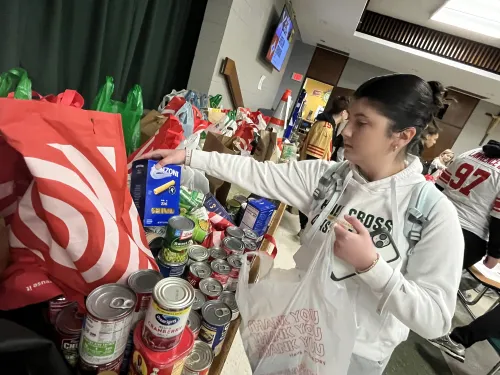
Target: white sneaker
(450, 347)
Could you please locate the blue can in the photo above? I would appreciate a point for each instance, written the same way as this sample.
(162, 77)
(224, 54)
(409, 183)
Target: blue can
(216, 318)
(171, 269)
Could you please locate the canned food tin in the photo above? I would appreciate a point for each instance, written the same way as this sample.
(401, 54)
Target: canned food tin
(231, 285)
(235, 263)
(162, 230)
(250, 234)
(149, 362)
(69, 329)
(167, 255)
(142, 283)
(217, 253)
(233, 245)
(179, 233)
(197, 253)
(194, 323)
(199, 300)
(211, 288)
(233, 206)
(220, 270)
(216, 318)
(235, 232)
(230, 300)
(111, 368)
(55, 307)
(197, 272)
(171, 269)
(240, 198)
(250, 245)
(155, 242)
(107, 324)
(199, 360)
(168, 313)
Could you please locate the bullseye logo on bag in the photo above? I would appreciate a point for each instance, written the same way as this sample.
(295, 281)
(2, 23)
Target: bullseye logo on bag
(167, 320)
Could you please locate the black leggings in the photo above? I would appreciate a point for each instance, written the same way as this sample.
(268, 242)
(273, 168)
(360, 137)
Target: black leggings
(487, 325)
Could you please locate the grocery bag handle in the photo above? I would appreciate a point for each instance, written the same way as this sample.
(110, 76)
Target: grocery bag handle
(272, 241)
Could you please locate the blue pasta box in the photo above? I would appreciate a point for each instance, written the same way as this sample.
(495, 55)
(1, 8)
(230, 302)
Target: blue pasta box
(258, 215)
(156, 192)
(213, 205)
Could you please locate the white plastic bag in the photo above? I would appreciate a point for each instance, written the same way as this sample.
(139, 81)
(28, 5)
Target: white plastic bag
(296, 322)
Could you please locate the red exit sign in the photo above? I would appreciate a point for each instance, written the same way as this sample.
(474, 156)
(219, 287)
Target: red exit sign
(297, 77)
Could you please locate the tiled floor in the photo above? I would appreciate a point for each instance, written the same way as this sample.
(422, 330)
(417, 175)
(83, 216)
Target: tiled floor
(414, 357)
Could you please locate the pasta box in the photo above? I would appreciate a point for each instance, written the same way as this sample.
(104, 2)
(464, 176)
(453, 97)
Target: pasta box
(257, 216)
(156, 192)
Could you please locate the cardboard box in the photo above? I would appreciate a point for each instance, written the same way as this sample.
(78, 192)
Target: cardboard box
(258, 215)
(156, 192)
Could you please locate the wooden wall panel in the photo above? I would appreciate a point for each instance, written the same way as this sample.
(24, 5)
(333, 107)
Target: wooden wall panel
(326, 66)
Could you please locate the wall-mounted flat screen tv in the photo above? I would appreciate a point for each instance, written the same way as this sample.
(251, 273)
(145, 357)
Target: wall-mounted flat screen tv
(281, 41)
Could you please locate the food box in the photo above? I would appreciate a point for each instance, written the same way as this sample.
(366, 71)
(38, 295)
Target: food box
(213, 205)
(156, 192)
(257, 216)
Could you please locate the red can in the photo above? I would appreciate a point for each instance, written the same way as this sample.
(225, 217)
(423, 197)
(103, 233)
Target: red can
(69, 329)
(197, 272)
(171, 362)
(111, 368)
(235, 263)
(250, 245)
(220, 270)
(55, 307)
(211, 288)
(232, 245)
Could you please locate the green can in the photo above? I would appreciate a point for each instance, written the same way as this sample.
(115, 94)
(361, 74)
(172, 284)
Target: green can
(191, 200)
(201, 228)
(177, 240)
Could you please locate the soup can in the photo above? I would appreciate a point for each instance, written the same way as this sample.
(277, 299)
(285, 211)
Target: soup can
(194, 323)
(111, 368)
(231, 285)
(171, 269)
(107, 325)
(199, 300)
(220, 270)
(199, 360)
(233, 245)
(250, 245)
(168, 313)
(229, 298)
(197, 253)
(235, 263)
(235, 232)
(217, 253)
(197, 272)
(169, 362)
(216, 318)
(69, 329)
(232, 207)
(179, 233)
(250, 234)
(211, 288)
(55, 307)
(142, 283)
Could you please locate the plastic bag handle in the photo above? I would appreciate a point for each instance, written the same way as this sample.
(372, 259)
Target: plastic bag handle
(272, 241)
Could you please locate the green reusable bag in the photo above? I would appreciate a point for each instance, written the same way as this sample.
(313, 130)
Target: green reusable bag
(17, 81)
(131, 111)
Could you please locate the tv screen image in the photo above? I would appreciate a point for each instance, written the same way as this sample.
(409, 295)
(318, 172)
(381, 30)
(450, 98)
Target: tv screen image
(281, 41)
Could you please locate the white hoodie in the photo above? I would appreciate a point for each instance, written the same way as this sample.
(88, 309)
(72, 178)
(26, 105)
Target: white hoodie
(388, 303)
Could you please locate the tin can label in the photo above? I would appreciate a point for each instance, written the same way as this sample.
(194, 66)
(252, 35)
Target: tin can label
(222, 278)
(162, 327)
(55, 307)
(168, 270)
(103, 342)
(213, 335)
(140, 366)
(112, 367)
(69, 349)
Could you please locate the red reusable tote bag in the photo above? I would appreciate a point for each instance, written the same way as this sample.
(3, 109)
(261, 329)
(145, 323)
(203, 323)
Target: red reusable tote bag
(76, 226)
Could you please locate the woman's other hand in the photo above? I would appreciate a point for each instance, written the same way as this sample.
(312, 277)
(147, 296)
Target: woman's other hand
(166, 157)
(354, 248)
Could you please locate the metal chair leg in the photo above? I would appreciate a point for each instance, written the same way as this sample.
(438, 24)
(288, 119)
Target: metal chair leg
(495, 369)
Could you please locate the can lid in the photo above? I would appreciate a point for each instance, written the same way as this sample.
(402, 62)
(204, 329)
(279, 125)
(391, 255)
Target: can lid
(198, 252)
(229, 299)
(174, 292)
(233, 243)
(250, 234)
(218, 253)
(234, 261)
(221, 266)
(211, 287)
(143, 281)
(69, 320)
(200, 358)
(200, 269)
(194, 321)
(199, 299)
(181, 223)
(235, 232)
(250, 245)
(216, 313)
(110, 301)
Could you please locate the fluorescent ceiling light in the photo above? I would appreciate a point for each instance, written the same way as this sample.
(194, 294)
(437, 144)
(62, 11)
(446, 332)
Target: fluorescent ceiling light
(480, 16)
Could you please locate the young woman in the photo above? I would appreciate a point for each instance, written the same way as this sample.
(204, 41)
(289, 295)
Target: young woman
(428, 137)
(388, 113)
(440, 163)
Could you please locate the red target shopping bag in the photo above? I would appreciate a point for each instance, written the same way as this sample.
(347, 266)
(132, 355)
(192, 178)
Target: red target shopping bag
(76, 226)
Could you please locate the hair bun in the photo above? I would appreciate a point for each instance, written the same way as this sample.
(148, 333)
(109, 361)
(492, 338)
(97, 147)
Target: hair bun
(438, 92)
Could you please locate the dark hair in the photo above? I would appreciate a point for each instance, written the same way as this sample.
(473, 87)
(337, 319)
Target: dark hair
(405, 99)
(339, 104)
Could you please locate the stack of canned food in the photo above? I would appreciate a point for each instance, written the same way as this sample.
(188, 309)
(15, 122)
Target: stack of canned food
(167, 323)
